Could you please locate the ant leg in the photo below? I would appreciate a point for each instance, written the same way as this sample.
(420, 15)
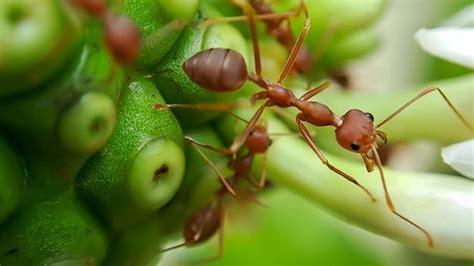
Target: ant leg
(297, 46)
(389, 202)
(223, 107)
(263, 176)
(421, 94)
(240, 139)
(197, 147)
(220, 236)
(263, 172)
(259, 96)
(248, 11)
(307, 137)
(282, 15)
(223, 151)
(311, 93)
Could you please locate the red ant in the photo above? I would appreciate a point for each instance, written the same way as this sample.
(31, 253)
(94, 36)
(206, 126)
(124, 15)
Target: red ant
(283, 34)
(121, 36)
(205, 222)
(224, 70)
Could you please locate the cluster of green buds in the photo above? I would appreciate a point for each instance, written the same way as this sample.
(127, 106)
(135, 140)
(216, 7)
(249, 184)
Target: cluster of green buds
(91, 173)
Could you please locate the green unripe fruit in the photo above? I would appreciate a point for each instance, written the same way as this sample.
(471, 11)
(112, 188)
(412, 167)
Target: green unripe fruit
(142, 165)
(350, 47)
(173, 82)
(55, 232)
(160, 23)
(139, 245)
(154, 173)
(87, 125)
(334, 23)
(12, 179)
(37, 38)
(34, 118)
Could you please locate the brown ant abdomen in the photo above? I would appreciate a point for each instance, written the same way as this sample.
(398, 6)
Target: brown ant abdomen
(217, 69)
(122, 38)
(202, 225)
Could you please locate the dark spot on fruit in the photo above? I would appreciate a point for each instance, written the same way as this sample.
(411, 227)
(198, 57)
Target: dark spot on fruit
(160, 171)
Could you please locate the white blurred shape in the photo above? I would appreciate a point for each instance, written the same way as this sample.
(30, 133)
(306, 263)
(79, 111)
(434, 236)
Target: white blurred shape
(460, 157)
(454, 44)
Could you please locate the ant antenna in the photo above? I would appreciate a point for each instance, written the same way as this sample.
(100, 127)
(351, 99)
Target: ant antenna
(173, 247)
(421, 94)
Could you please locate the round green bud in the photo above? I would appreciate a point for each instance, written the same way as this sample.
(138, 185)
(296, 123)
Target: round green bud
(86, 126)
(156, 173)
(37, 38)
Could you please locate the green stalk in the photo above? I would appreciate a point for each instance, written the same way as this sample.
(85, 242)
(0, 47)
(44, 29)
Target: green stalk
(442, 204)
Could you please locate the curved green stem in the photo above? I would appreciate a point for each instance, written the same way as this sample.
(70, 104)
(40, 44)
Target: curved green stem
(440, 203)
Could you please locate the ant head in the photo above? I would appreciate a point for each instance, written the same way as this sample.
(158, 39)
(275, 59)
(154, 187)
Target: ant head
(202, 225)
(357, 132)
(258, 140)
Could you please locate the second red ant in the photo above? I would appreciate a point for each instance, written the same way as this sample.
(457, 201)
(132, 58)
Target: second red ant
(224, 70)
(208, 220)
(120, 35)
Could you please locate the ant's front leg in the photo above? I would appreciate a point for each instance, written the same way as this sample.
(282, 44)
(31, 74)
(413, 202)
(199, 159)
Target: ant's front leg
(307, 137)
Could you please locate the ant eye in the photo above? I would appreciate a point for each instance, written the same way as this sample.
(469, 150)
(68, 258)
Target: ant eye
(251, 133)
(371, 117)
(355, 146)
(270, 142)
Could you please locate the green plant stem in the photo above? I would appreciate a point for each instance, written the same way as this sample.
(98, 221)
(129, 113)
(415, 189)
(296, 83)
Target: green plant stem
(440, 203)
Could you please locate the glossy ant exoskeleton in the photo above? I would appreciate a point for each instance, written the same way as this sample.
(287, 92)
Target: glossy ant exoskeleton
(206, 221)
(224, 70)
(121, 36)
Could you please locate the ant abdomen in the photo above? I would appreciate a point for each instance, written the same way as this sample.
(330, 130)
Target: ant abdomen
(217, 69)
(202, 225)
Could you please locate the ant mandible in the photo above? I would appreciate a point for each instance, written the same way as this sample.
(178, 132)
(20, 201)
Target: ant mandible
(206, 221)
(224, 70)
(121, 36)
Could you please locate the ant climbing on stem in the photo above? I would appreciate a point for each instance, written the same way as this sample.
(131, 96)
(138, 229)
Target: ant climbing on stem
(121, 36)
(224, 70)
(208, 220)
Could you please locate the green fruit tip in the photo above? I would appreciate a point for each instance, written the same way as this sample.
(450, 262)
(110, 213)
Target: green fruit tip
(85, 126)
(156, 173)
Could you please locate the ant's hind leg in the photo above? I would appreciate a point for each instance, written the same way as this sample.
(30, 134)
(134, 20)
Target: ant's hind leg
(307, 137)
